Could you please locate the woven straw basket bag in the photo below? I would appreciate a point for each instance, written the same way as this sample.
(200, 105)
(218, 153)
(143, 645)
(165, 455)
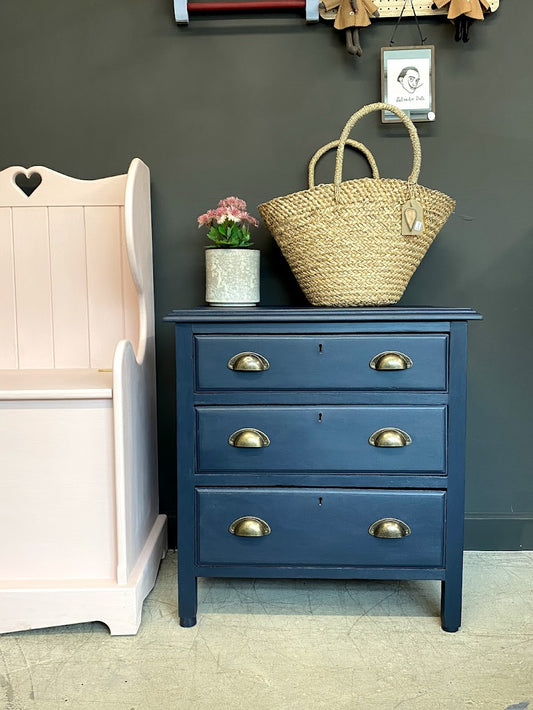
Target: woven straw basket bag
(344, 241)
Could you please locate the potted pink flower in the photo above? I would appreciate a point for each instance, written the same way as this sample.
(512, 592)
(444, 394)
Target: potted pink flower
(232, 268)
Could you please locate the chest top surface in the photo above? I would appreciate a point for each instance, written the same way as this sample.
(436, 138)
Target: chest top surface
(288, 314)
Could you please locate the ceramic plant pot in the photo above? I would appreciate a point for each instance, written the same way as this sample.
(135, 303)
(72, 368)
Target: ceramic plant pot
(232, 277)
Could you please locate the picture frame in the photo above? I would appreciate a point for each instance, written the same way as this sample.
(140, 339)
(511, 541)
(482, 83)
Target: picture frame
(408, 82)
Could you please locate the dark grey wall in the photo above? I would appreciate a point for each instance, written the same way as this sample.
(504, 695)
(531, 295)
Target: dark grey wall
(237, 106)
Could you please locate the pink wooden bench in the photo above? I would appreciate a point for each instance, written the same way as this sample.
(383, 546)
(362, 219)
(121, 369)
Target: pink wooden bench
(81, 535)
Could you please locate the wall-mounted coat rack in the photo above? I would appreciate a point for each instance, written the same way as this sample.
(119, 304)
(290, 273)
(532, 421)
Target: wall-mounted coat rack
(387, 8)
(393, 8)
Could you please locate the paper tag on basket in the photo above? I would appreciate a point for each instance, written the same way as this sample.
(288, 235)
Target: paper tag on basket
(412, 218)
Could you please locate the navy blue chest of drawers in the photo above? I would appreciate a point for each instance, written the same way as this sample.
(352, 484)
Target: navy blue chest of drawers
(319, 442)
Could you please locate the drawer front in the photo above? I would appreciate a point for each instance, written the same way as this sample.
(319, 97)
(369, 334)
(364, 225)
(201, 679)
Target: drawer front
(333, 438)
(329, 362)
(320, 527)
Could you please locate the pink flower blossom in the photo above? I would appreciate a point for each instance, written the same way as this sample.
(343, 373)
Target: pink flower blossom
(233, 203)
(206, 219)
(231, 209)
(248, 218)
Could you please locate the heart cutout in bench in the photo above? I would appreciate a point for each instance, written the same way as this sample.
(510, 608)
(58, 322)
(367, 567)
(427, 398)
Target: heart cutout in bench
(28, 183)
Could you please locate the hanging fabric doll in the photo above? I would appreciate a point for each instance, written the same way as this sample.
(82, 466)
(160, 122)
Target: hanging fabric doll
(463, 13)
(351, 15)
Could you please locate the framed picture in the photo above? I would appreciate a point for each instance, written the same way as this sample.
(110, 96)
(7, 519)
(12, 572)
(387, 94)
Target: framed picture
(408, 82)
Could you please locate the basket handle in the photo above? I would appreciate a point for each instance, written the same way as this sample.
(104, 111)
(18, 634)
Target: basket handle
(333, 144)
(404, 118)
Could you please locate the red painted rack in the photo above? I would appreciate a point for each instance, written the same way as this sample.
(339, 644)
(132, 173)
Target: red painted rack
(246, 5)
(182, 8)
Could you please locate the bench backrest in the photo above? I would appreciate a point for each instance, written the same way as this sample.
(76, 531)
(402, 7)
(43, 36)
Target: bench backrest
(67, 293)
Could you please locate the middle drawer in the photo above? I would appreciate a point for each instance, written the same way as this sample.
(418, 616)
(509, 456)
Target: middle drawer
(313, 438)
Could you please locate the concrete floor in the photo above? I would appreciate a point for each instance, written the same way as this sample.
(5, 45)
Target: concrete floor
(285, 644)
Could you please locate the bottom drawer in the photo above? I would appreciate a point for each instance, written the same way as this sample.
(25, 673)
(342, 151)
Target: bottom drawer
(320, 526)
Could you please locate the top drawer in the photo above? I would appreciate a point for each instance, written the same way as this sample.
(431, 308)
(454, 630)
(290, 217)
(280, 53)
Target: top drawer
(327, 362)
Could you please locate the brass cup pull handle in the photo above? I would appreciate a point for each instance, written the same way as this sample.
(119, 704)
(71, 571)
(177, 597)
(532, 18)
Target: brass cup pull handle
(248, 362)
(391, 360)
(390, 438)
(249, 439)
(389, 528)
(249, 526)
